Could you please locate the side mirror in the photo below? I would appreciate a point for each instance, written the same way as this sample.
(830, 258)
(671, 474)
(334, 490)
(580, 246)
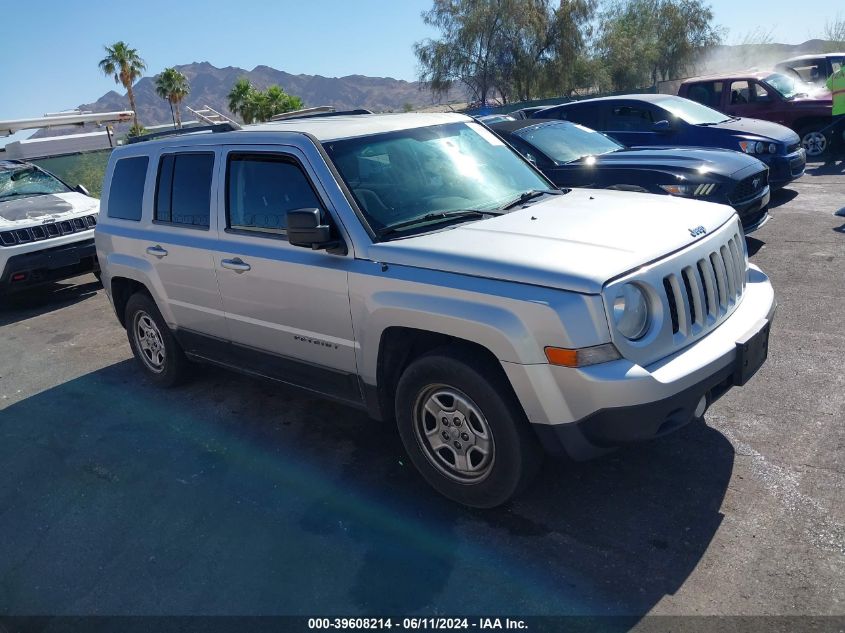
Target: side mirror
(662, 127)
(305, 228)
(81, 189)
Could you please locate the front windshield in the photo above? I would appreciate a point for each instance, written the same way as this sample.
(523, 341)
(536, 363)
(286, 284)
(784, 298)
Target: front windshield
(565, 142)
(692, 112)
(28, 181)
(786, 86)
(398, 176)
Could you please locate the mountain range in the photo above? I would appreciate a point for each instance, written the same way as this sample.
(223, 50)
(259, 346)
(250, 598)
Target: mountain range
(211, 85)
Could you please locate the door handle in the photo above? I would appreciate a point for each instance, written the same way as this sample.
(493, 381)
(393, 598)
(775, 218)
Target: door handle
(156, 251)
(237, 264)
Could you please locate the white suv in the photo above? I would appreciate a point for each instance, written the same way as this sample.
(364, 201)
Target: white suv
(415, 266)
(46, 228)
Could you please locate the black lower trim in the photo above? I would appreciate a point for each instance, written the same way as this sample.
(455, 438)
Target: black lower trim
(323, 381)
(48, 265)
(603, 430)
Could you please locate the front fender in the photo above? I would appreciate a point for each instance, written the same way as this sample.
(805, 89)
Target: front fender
(515, 322)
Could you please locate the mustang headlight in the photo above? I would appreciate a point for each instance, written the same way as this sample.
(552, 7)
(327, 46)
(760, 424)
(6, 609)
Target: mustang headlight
(630, 311)
(690, 189)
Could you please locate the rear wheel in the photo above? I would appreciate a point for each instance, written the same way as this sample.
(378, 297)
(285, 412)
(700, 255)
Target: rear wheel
(155, 348)
(463, 429)
(813, 140)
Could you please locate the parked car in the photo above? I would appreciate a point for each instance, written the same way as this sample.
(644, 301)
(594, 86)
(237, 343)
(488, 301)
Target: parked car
(46, 227)
(769, 96)
(670, 121)
(487, 119)
(572, 155)
(813, 69)
(416, 267)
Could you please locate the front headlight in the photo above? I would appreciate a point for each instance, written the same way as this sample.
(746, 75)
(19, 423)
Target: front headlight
(691, 189)
(630, 311)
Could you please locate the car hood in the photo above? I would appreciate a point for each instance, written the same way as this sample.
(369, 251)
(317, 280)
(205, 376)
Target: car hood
(758, 127)
(577, 241)
(22, 212)
(720, 161)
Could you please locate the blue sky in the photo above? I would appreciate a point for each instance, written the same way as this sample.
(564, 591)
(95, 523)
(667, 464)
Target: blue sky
(50, 55)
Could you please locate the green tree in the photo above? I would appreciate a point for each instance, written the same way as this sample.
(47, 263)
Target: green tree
(642, 42)
(255, 105)
(238, 97)
(173, 87)
(468, 49)
(126, 66)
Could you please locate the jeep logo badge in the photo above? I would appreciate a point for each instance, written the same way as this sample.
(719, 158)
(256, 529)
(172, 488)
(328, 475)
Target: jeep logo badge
(698, 230)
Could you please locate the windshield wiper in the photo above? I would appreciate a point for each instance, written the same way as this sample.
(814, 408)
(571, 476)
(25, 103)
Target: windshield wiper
(437, 216)
(525, 196)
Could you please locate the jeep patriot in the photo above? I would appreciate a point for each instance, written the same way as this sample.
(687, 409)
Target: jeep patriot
(417, 267)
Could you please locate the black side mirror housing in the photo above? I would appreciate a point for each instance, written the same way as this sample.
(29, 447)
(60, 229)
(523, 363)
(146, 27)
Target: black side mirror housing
(81, 189)
(305, 228)
(662, 127)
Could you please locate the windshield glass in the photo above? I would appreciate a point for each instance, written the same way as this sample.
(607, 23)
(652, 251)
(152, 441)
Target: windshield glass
(786, 86)
(565, 142)
(692, 112)
(398, 176)
(28, 181)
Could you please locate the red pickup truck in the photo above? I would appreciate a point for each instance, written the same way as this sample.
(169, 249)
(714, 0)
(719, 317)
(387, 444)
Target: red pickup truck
(771, 96)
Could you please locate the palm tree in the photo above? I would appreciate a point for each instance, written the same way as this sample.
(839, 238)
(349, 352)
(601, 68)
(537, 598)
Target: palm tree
(126, 66)
(239, 97)
(173, 86)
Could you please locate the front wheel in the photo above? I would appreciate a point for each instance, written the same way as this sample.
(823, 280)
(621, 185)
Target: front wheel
(463, 429)
(813, 140)
(155, 348)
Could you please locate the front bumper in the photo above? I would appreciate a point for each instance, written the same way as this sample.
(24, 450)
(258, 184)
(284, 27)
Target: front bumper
(754, 213)
(785, 169)
(46, 265)
(586, 412)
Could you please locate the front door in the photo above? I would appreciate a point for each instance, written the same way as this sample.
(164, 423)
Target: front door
(287, 307)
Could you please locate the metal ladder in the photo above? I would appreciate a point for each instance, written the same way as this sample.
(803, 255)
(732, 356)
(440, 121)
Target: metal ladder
(210, 116)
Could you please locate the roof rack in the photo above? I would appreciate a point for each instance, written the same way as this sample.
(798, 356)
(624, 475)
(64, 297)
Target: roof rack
(214, 128)
(319, 111)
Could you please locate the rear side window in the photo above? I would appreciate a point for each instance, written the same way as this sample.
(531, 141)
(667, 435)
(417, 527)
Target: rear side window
(708, 93)
(183, 193)
(629, 119)
(127, 188)
(586, 116)
(262, 188)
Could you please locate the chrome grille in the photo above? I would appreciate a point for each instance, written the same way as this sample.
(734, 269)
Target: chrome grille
(47, 231)
(701, 293)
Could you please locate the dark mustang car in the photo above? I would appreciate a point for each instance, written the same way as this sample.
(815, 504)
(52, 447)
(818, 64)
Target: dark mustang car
(572, 155)
(670, 121)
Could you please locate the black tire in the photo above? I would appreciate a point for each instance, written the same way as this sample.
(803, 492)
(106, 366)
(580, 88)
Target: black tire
(813, 140)
(142, 315)
(516, 453)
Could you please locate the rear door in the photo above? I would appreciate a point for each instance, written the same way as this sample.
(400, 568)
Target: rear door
(181, 236)
(287, 307)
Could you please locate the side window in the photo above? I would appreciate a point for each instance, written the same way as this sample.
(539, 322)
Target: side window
(262, 188)
(629, 119)
(739, 92)
(126, 191)
(708, 93)
(183, 192)
(582, 115)
(761, 95)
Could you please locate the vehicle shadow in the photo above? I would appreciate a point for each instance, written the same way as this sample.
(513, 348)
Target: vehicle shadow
(781, 197)
(43, 299)
(754, 245)
(232, 496)
(828, 168)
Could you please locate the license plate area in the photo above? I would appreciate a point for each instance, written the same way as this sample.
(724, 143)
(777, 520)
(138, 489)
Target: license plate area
(751, 353)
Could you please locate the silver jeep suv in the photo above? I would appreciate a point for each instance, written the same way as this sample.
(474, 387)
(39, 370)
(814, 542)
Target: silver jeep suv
(416, 267)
